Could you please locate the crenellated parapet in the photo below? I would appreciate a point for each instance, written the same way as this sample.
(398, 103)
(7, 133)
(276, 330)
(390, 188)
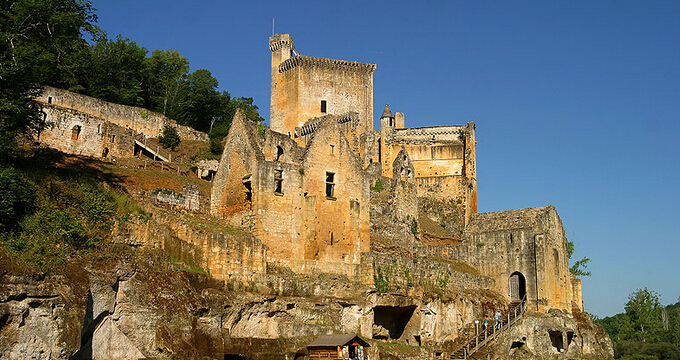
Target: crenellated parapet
(429, 134)
(311, 125)
(323, 63)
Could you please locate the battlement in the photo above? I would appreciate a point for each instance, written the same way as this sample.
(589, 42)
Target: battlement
(279, 41)
(310, 126)
(428, 134)
(323, 63)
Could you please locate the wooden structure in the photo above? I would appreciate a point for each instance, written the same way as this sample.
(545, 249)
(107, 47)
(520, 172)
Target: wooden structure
(341, 346)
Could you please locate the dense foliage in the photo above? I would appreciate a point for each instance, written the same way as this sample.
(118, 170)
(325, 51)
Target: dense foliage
(120, 71)
(53, 207)
(646, 330)
(39, 44)
(43, 42)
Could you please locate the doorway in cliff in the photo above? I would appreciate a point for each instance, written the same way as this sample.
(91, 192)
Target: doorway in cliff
(389, 322)
(518, 286)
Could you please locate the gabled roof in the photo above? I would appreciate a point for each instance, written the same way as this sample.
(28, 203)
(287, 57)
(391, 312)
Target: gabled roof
(337, 340)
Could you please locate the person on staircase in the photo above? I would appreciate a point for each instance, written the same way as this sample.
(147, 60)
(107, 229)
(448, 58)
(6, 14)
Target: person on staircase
(497, 320)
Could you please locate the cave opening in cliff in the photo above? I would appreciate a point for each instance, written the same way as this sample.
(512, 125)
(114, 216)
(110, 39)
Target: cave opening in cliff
(393, 319)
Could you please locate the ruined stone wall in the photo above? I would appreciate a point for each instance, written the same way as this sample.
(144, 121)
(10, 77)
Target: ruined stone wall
(138, 119)
(526, 241)
(78, 133)
(289, 208)
(336, 227)
(224, 255)
(301, 83)
(444, 159)
(402, 273)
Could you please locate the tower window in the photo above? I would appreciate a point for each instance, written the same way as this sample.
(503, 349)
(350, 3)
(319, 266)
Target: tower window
(323, 106)
(278, 182)
(49, 100)
(279, 153)
(330, 185)
(332, 149)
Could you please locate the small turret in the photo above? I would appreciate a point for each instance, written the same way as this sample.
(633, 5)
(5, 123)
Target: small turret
(386, 119)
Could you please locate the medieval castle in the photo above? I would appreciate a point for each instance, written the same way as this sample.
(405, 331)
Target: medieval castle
(324, 192)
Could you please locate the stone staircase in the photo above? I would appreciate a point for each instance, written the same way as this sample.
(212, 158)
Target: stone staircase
(152, 148)
(477, 344)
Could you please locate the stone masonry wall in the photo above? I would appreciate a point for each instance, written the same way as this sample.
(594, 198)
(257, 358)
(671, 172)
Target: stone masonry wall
(138, 119)
(403, 272)
(78, 133)
(300, 84)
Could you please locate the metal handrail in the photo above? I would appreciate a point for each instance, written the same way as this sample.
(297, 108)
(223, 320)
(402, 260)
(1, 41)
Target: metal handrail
(482, 339)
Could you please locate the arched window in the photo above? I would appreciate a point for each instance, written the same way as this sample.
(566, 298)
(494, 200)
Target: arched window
(517, 286)
(279, 153)
(75, 132)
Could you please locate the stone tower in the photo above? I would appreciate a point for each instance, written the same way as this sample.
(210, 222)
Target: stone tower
(306, 87)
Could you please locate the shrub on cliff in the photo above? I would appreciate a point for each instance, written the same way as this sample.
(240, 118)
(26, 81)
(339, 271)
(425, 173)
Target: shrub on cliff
(170, 138)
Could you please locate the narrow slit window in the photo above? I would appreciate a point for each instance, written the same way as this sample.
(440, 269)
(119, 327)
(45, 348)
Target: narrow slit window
(332, 149)
(278, 182)
(330, 185)
(323, 106)
(331, 238)
(49, 100)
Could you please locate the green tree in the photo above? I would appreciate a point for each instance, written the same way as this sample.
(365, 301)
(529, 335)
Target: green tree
(170, 138)
(167, 86)
(644, 310)
(116, 72)
(579, 267)
(204, 101)
(39, 40)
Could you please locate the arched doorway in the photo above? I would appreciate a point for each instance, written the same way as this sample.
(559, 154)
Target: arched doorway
(518, 286)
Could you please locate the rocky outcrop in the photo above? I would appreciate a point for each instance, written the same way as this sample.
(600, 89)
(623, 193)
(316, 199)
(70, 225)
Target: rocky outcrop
(558, 335)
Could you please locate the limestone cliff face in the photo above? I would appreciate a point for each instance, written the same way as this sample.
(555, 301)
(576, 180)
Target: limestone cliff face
(558, 335)
(140, 309)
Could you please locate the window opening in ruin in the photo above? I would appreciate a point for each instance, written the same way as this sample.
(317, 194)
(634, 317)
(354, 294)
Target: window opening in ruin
(518, 287)
(556, 340)
(279, 153)
(330, 185)
(99, 129)
(49, 100)
(278, 182)
(113, 138)
(105, 152)
(331, 239)
(323, 106)
(332, 149)
(511, 238)
(391, 122)
(249, 190)
(570, 337)
(75, 132)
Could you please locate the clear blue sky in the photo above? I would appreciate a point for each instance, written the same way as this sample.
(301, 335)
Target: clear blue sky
(577, 103)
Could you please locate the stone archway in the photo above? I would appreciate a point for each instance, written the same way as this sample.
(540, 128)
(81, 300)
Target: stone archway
(517, 285)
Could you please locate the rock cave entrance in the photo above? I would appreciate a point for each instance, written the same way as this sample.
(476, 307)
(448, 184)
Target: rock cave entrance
(389, 322)
(518, 286)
